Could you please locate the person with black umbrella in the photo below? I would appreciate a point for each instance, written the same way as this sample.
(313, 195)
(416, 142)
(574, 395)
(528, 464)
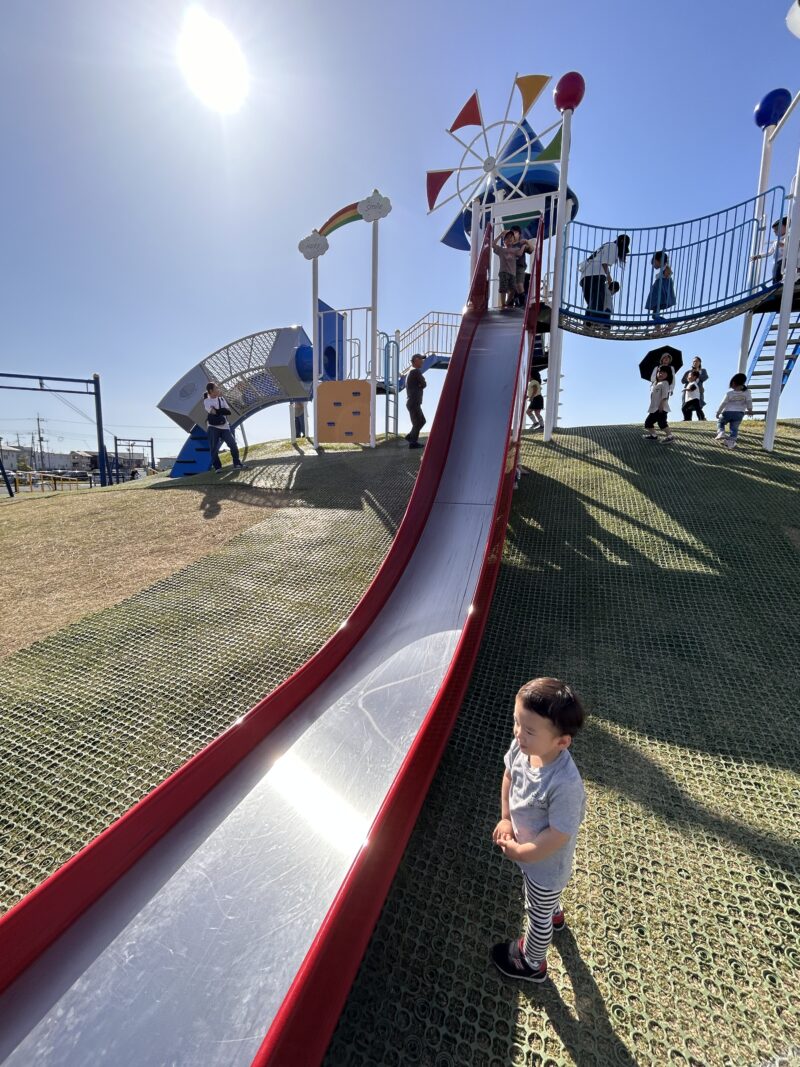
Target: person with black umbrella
(665, 356)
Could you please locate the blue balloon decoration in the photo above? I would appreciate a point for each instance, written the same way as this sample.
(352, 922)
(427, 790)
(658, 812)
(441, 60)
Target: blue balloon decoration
(772, 108)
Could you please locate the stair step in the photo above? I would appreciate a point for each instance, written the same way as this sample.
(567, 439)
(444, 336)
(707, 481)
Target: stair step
(760, 372)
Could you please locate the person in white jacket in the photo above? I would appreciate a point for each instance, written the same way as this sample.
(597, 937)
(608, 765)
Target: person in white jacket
(659, 406)
(737, 402)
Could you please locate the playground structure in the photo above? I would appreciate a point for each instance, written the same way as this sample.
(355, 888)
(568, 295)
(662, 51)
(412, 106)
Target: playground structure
(720, 261)
(507, 175)
(356, 700)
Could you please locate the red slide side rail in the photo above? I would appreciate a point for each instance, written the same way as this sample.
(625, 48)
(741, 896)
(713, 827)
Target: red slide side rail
(302, 1028)
(28, 928)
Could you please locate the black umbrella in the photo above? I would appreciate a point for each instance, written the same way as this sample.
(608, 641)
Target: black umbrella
(653, 358)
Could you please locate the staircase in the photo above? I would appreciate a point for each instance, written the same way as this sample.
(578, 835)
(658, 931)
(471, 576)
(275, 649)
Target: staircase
(762, 362)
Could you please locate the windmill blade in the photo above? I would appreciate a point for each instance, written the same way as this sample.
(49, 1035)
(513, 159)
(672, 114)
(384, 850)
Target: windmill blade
(530, 88)
(436, 180)
(551, 154)
(469, 115)
(462, 194)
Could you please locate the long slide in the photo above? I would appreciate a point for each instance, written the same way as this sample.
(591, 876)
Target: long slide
(221, 921)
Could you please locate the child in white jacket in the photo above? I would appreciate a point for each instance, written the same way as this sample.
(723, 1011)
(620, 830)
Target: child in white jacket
(737, 401)
(659, 406)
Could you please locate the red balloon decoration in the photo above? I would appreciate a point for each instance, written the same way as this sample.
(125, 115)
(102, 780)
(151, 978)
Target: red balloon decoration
(569, 91)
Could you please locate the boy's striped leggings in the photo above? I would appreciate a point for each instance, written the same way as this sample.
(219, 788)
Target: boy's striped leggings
(540, 907)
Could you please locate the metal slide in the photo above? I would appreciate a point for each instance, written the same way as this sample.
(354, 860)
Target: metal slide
(191, 953)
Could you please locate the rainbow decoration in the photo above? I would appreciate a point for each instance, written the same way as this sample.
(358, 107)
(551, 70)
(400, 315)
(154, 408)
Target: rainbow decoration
(341, 218)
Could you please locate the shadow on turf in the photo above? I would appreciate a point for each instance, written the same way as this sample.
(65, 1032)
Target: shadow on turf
(308, 481)
(591, 1034)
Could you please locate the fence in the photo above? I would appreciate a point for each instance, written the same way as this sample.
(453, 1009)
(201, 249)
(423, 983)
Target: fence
(719, 263)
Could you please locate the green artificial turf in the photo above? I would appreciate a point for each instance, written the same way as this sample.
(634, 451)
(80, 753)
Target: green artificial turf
(96, 715)
(663, 581)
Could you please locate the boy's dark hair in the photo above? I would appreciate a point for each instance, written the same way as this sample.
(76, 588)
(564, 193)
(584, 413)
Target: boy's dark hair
(516, 229)
(613, 287)
(693, 374)
(738, 379)
(662, 258)
(554, 700)
(667, 370)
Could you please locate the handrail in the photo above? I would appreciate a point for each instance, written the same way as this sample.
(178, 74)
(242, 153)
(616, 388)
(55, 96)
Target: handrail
(712, 265)
(29, 927)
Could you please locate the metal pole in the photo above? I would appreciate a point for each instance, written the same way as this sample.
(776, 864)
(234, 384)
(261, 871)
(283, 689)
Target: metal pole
(755, 244)
(374, 341)
(556, 333)
(789, 276)
(3, 469)
(292, 423)
(777, 129)
(316, 345)
(152, 455)
(98, 412)
(116, 457)
(474, 238)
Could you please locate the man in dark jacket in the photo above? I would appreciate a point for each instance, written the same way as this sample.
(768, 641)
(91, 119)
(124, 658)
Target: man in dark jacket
(415, 383)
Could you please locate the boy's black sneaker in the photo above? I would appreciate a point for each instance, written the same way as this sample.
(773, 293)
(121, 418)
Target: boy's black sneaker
(559, 922)
(509, 960)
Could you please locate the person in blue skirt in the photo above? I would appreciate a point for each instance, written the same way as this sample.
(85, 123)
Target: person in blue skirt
(662, 291)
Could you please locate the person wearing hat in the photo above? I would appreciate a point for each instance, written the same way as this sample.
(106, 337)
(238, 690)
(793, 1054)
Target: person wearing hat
(415, 383)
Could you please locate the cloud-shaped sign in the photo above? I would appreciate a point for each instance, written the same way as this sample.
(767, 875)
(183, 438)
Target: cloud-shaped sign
(314, 246)
(374, 207)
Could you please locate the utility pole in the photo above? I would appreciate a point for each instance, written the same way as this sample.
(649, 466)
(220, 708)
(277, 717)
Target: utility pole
(39, 434)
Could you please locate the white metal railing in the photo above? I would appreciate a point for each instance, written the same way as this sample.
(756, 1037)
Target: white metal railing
(434, 334)
(354, 357)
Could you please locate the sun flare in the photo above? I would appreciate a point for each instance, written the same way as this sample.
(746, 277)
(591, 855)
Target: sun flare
(212, 62)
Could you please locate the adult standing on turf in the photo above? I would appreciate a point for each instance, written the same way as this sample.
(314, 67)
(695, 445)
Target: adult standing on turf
(702, 378)
(415, 384)
(219, 429)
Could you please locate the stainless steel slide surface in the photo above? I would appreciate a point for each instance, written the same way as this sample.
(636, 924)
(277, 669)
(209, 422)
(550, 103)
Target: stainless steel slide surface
(188, 957)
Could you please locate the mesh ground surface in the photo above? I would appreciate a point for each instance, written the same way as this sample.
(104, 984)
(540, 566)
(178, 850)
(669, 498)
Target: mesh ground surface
(96, 715)
(664, 582)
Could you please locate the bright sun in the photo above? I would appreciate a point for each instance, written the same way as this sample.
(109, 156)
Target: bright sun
(212, 62)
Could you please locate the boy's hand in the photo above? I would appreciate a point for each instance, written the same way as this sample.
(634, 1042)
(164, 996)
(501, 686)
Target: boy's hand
(503, 831)
(510, 847)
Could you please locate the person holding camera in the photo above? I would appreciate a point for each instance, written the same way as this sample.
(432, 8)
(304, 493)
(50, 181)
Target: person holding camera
(219, 429)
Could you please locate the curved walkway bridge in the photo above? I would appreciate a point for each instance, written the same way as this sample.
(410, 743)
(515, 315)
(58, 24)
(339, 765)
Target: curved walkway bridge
(721, 267)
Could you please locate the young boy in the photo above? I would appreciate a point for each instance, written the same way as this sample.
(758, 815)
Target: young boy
(508, 252)
(542, 806)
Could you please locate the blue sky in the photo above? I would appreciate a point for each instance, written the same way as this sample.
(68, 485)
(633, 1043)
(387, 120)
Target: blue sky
(142, 231)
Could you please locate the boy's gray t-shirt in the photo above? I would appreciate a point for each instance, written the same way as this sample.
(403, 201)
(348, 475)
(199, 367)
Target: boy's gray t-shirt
(546, 796)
